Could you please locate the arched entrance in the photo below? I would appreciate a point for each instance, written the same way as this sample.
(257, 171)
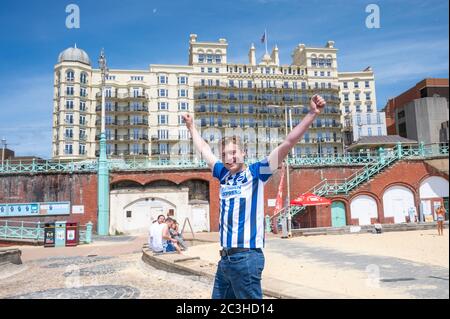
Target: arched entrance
(397, 201)
(338, 214)
(363, 208)
(433, 192)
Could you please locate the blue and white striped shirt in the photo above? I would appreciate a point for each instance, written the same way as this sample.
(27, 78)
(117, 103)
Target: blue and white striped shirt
(242, 205)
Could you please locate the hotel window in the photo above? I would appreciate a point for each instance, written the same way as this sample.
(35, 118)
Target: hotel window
(182, 93)
(183, 134)
(345, 85)
(322, 85)
(108, 107)
(182, 80)
(202, 70)
(69, 104)
(329, 85)
(108, 120)
(356, 84)
(378, 118)
(316, 85)
(83, 78)
(316, 73)
(249, 84)
(328, 73)
(303, 85)
(322, 73)
(82, 106)
(163, 106)
(367, 84)
(209, 58)
(163, 148)
(69, 118)
(70, 90)
(69, 133)
(83, 92)
(217, 70)
(70, 76)
(379, 131)
(136, 92)
(329, 62)
(218, 59)
(295, 85)
(201, 58)
(313, 62)
(231, 83)
(108, 92)
(82, 149)
(358, 108)
(162, 79)
(357, 97)
(163, 93)
(368, 96)
(183, 106)
(82, 120)
(210, 70)
(68, 149)
(163, 119)
(82, 134)
(369, 119)
(217, 82)
(369, 131)
(163, 134)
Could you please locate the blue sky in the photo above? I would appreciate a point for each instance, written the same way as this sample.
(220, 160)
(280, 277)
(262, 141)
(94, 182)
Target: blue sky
(411, 44)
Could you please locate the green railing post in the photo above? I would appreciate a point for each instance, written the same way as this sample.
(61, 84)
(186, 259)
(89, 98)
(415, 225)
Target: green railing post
(88, 237)
(381, 155)
(268, 227)
(422, 149)
(33, 166)
(399, 150)
(38, 229)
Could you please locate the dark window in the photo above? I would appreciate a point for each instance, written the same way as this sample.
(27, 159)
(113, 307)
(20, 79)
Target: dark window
(128, 213)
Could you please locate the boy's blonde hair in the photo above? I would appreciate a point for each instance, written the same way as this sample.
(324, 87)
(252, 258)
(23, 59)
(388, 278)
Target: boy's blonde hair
(236, 140)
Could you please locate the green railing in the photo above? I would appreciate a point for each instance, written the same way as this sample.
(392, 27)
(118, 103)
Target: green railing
(91, 166)
(22, 230)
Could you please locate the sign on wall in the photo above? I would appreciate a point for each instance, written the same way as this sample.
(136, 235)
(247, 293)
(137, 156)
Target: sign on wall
(78, 209)
(34, 209)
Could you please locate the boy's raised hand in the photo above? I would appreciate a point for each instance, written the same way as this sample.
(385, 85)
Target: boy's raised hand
(317, 104)
(188, 120)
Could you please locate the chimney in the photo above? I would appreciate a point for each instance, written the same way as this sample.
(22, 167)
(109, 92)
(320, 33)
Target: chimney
(252, 55)
(275, 55)
(193, 38)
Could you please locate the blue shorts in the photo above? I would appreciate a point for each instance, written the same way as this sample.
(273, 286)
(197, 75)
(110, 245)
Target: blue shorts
(169, 247)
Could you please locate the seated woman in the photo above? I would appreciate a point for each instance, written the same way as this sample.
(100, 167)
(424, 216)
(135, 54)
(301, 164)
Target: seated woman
(174, 233)
(169, 244)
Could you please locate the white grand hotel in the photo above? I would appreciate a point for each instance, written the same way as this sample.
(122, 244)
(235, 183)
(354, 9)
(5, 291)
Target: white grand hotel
(144, 107)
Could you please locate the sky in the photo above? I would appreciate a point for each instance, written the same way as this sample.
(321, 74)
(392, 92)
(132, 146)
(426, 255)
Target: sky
(412, 43)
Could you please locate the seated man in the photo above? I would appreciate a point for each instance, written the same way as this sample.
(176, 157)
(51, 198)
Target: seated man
(169, 244)
(155, 240)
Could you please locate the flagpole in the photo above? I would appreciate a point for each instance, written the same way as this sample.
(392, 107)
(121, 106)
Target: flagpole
(267, 52)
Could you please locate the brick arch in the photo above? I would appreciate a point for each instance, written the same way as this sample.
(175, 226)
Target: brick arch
(346, 205)
(414, 190)
(179, 177)
(161, 180)
(420, 181)
(379, 202)
(111, 184)
(145, 197)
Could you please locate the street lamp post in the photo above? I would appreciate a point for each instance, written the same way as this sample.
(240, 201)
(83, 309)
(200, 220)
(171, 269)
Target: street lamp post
(103, 172)
(3, 150)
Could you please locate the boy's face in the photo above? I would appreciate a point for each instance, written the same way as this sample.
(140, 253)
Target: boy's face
(233, 158)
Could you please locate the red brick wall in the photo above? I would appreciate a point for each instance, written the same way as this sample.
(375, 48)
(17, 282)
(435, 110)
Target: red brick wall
(79, 189)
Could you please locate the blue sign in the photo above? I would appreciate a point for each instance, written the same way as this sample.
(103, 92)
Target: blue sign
(34, 209)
